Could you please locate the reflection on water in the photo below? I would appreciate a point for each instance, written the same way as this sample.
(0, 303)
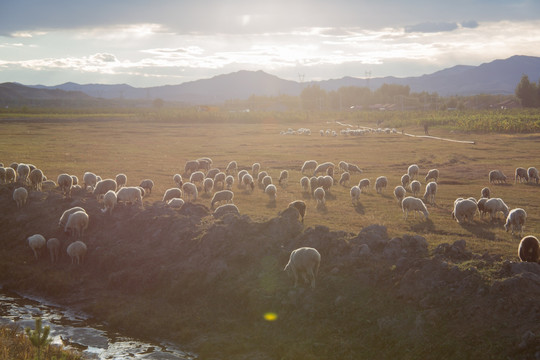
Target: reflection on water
(76, 330)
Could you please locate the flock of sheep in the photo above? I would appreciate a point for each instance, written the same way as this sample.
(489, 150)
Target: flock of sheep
(317, 180)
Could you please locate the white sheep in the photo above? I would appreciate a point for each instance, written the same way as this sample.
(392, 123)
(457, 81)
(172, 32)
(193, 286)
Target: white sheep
(36, 243)
(327, 182)
(521, 175)
(364, 184)
(197, 177)
(204, 163)
(320, 195)
(260, 177)
(299, 205)
(464, 209)
(533, 174)
(415, 187)
(172, 193)
(267, 180)
(208, 185)
(48, 185)
(176, 203)
(220, 179)
(76, 251)
(121, 180)
(229, 181)
(432, 174)
(485, 193)
(177, 178)
(255, 168)
(352, 168)
(345, 178)
(147, 185)
(271, 191)
(191, 166)
(494, 205)
(304, 183)
(283, 177)
(20, 195)
(529, 249)
(343, 166)
(23, 171)
(247, 181)
(304, 261)
(496, 176)
(53, 245)
(36, 179)
(89, 180)
(430, 192)
(190, 191)
(103, 186)
(481, 203)
(355, 194)
(411, 203)
(212, 173)
(222, 195)
(323, 167)
(405, 180)
(129, 194)
(515, 220)
(65, 215)
(65, 182)
(241, 174)
(11, 175)
(109, 201)
(399, 193)
(225, 209)
(75, 179)
(313, 184)
(309, 165)
(412, 171)
(380, 184)
(231, 167)
(77, 223)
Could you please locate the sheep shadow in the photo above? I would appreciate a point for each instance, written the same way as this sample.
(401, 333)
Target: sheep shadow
(271, 204)
(359, 208)
(330, 196)
(306, 195)
(321, 208)
(479, 229)
(424, 226)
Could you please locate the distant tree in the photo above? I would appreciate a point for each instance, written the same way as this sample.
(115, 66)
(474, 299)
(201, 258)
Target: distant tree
(528, 93)
(158, 103)
(313, 98)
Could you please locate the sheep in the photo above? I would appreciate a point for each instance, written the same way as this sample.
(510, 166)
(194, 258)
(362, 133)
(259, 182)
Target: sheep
(65, 183)
(485, 193)
(65, 215)
(204, 163)
(415, 187)
(405, 180)
(299, 205)
(121, 180)
(380, 183)
(515, 220)
(147, 185)
(76, 224)
(177, 178)
(20, 195)
(197, 177)
(241, 174)
(11, 175)
(355, 194)
(229, 181)
(323, 167)
(327, 182)
(231, 167)
(220, 179)
(496, 176)
(412, 171)
(36, 243)
(131, 194)
(222, 195)
(143, 193)
(176, 203)
(76, 251)
(364, 184)
(283, 177)
(89, 180)
(36, 179)
(261, 176)
(103, 186)
(190, 191)
(212, 173)
(208, 185)
(247, 180)
(255, 168)
(345, 178)
(529, 249)
(430, 192)
(481, 204)
(533, 174)
(271, 191)
(494, 205)
(53, 245)
(267, 180)
(191, 166)
(464, 209)
(109, 201)
(330, 172)
(399, 193)
(309, 165)
(432, 174)
(320, 196)
(75, 179)
(304, 261)
(48, 185)
(352, 168)
(304, 183)
(313, 184)
(2, 174)
(23, 171)
(225, 209)
(343, 166)
(172, 193)
(520, 175)
(411, 203)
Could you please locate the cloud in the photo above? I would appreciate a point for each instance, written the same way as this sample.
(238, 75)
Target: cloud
(430, 27)
(470, 24)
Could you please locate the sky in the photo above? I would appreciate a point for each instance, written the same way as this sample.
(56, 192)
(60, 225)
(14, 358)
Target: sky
(147, 43)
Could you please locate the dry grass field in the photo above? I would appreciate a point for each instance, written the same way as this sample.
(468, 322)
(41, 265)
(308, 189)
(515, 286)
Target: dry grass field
(158, 150)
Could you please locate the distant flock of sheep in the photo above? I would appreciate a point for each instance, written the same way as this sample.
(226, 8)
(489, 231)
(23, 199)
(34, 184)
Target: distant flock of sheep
(211, 180)
(343, 132)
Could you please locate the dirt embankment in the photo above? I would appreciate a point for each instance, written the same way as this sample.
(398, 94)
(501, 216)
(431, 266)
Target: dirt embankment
(206, 283)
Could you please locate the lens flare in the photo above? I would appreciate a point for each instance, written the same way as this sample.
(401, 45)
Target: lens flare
(270, 316)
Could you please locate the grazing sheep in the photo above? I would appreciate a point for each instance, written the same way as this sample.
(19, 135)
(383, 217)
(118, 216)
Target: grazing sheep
(247, 181)
(89, 180)
(352, 168)
(76, 251)
(380, 183)
(464, 209)
(412, 171)
(485, 193)
(121, 180)
(197, 177)
(304, 183)
(321, 168)
(229, 181)
(399, 193)
(327, 182)
(345, 178)
(131, 194)
(220, 179)
(231, 167)
(48, 185)
(191, 166)
(494, 205)
(77, 223)
(521, 175)
(241, 174)
(65, 183)
(533, 174)
(36, 243)
(330, 172)
(313, 184)
(225, 209)
(11, 175)
(415, 187)
(23, 171)
(36, 179)
(405, 180)
(271, 191)
(103, 186)
(515, 220)
(176, 203)
(212, 173)
(430, 192)
(299, 205)
(364, 184)
(304, 261)
(208, 185)
(147, 185)
(529, 249)
(309, 165)
(343, 166)
(267, 180)
(320, 195)
(143, 193)
(222, 195)
(53, 245)
(283, 177)
(2, 174)
(172, 193)
(20, 195)
(75, 179)
(177, 178)
(65, 215)
(255, 168)
(496, 176)
(411, 203)
(481, 203)
(432, 174)
(204, 163)
(190, 191)
(109, 201)
(355, 194)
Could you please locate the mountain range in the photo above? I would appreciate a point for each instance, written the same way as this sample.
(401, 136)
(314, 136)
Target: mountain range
(496, 77)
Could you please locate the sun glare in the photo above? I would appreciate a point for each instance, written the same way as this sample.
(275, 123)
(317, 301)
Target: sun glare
(270, 316)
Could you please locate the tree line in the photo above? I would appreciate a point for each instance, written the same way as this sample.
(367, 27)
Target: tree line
(528, 92)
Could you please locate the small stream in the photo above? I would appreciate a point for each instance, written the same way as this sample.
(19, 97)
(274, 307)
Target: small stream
(78, 331)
